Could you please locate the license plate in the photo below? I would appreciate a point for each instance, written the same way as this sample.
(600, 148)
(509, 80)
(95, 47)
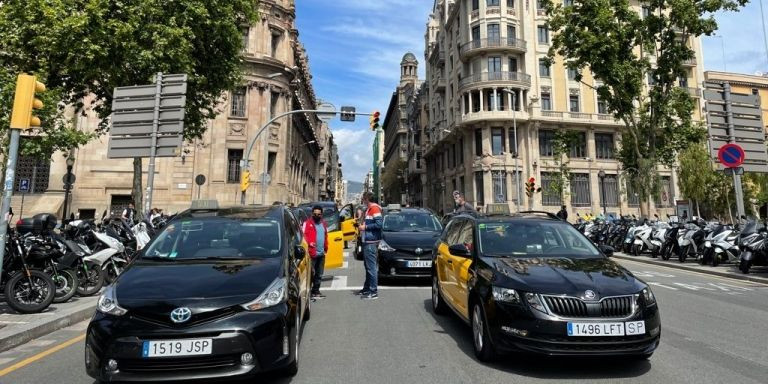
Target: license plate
(419, 263)
(174, 348)
(607, 329)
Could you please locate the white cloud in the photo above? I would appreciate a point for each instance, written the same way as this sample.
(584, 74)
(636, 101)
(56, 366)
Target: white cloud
(355, 151)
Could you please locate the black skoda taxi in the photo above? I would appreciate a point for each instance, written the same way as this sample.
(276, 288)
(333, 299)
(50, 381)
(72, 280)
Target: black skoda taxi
(532, 283)
(220, 293)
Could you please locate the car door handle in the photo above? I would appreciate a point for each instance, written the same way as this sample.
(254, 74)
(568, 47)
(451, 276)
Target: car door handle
(337, 239)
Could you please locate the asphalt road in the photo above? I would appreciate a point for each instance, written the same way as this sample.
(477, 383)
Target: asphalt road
(713, 332)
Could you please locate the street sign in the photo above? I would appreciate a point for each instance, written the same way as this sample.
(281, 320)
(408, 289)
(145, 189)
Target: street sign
(736, 170)
(23, 185)
(140, 146)
(328, 112)
(731, 155)
(347, 113)
(200, 179)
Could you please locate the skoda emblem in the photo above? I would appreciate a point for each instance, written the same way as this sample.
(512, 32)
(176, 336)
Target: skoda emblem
(589, 295)
(419, 251)
(180, 315)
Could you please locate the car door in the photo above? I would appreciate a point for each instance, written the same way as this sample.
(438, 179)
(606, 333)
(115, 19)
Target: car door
(335, 257)
(303, 266)
(444, 260)
(347, 219)
(460, 265)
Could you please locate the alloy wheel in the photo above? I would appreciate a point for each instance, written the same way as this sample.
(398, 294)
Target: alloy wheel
(477, 328)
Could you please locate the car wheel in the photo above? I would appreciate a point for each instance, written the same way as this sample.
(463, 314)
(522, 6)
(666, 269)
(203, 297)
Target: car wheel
(481, 338)
(293, 368)
(438, 303)
(308, 310)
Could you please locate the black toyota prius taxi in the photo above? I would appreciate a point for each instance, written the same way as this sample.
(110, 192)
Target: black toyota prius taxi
(220, 293)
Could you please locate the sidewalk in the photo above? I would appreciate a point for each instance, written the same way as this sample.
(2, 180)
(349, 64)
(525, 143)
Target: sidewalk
(756, 274)
(17, 329)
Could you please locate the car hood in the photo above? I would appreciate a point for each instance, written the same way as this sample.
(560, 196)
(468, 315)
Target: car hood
(566, 276)
(409, 241)
(201, 286)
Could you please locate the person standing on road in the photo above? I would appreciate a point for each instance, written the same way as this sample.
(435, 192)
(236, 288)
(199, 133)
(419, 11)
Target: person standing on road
(316, 232)
(371, 235)
(563, 213)
(129, 213)
(461, 204)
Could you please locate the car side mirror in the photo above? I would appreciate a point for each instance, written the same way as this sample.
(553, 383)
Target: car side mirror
(607, 250)
(460, 250)
(300, 252)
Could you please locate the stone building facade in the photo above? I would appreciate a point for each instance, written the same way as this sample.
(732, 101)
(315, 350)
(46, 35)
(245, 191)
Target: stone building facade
(487, 86)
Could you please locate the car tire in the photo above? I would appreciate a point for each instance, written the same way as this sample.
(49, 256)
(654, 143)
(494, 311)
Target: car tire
(439, 306)
(293, 368)
(308, 310)
(481, 338)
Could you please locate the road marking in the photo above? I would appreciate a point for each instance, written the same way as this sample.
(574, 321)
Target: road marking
(655, 284)
(344, 265)
(339, 282)
(651, 274)
(710, 276)
(13, 322)
(30, 360)
(692, 286)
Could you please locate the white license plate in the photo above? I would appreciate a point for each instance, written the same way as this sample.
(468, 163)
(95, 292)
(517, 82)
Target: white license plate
(174, 348)
(607, 329)
(419, 263)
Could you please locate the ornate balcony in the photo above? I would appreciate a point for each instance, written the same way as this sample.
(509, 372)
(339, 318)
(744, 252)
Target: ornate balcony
(493, 44)
(499, 116)
(518, 79)
(689, 62)
(576, 117)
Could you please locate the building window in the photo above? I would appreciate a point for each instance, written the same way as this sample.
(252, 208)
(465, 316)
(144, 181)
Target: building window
(476, 36)
(513, 64)
(479, 142)
(511, 32)
(604, 145)
(602, 106)
(646, 12)
(418, 160)
(497, 140)
(475, 5)
(510, 3)
(475, 101)
(276, 37)
(119, 203)
(755, 92)
(579, 146)
(609, 190)
(543, 68)
(499, 186)
(543, 33)
(274, 98)
(580, 192)
(246, 33)
(461, 185)
(494, 66)
(546, 101)
(512, 147)
(238, 103)
(234, 156)
(546, 138)
(573, 101)
(494, 34)
(492, 3)
(572, 73)
(567, 3)
(271, 159)
(683, 81)
(550, 194)
(479, 188)
(665, 192)
(34, 170)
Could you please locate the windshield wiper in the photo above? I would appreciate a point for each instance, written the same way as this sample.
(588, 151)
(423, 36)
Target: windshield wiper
(157, 258)
(220, 258)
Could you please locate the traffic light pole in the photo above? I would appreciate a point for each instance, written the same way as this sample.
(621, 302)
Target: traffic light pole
(10, 176)
(244, 164)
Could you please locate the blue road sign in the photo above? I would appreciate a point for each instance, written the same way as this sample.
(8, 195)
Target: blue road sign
(24, 185)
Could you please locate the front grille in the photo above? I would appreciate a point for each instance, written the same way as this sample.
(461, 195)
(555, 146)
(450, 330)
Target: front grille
(571, 307)
(172, 364)
(164, 319)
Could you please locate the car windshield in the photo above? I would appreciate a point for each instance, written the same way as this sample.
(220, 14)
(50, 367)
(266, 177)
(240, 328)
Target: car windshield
(411, 222)
(217, 238)
(533, 238)
(330, 215)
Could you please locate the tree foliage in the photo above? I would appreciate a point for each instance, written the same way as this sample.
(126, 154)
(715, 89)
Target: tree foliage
(562, 142)
(89, 47)
(625, 52)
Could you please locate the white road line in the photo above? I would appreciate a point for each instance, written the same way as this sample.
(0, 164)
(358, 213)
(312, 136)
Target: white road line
(655, 284)
(339, 282)
(345, 265)
(13, 322)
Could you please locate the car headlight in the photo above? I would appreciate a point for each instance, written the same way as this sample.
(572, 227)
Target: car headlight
(275, 294)
(108, 303)
(383, 246)
(506, 295)
(649, 297)
(535, 302)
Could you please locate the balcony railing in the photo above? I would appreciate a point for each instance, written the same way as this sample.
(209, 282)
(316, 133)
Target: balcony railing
(491, 43)
(690, 62)
(501, 77)
(594, 117)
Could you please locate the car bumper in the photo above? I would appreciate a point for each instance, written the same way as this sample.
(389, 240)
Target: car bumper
(261, 334)
(515, 331)
(396, 266)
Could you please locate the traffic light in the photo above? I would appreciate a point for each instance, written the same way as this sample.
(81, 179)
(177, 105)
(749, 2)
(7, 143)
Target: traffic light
(245, 181)
(375, 120)
(530, 187)
(24, 102)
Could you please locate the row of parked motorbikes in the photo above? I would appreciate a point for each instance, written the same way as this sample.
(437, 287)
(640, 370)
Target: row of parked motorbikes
(709, 243)
(46, 262)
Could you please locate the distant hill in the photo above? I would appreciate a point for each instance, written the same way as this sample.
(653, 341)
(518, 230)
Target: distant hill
(354, 187)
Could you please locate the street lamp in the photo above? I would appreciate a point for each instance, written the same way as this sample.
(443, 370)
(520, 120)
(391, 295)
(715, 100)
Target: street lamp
(515, 153)
(68, 184)
(601, 175)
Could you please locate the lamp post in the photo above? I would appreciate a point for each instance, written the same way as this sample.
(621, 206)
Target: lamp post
(601, 175)
(68, 180)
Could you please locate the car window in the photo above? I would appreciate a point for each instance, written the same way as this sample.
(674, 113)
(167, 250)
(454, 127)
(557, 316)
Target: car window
(410, 222)
(346, 212)
(330, 215)
(454, 227)
(520, 238)
(218, 237)
(466, 235)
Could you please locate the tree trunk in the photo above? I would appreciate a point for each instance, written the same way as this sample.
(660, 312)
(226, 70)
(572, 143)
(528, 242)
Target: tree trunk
(645, 208)
(137, 191)
(698, 212)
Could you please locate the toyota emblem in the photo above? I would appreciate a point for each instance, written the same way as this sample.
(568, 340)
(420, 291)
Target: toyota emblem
(589, 295)
(181, 315)
(419, 251)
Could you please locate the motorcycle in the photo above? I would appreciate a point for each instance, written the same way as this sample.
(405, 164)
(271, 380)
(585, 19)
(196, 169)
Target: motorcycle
(752, 242)
(27, 290)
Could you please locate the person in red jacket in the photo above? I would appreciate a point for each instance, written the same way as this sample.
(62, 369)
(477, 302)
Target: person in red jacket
(316, 233)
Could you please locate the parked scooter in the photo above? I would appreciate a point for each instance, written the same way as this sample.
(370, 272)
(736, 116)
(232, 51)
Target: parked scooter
(27, 290)
(752, 242)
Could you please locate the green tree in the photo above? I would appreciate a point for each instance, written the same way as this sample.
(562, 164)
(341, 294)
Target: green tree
(624, 50)
(696, 172)
(89, 47)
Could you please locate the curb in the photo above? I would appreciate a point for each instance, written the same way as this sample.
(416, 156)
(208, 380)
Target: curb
(729, 275)
(48, 323)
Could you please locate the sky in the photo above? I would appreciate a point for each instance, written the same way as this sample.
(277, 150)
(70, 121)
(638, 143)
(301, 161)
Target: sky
(355, 48)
